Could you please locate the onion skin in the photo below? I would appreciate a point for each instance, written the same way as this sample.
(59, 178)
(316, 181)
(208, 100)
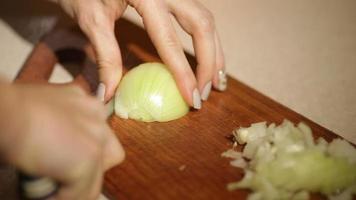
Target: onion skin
(149, 93)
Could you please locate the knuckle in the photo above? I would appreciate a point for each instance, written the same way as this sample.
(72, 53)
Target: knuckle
(171, 41)
(143, 6)
(104, 63)
(92, 23)
(136, 3)
(205, 21)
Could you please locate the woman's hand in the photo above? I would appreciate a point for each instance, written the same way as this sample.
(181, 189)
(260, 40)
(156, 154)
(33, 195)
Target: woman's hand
(97, 19)
(58, 132)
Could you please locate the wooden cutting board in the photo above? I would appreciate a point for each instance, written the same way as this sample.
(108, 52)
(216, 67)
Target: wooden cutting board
(173, 160)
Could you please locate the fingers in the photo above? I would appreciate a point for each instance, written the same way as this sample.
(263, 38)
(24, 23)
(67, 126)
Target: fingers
(113, 151)
(99, 28)
(101, 151)
(109, 62)
(85, 183)
(199, 22)
(95, 112)
(161, 31)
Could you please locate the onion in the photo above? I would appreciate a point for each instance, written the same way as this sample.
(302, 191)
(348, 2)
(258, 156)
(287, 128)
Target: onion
(149, 93)
(284, 162)
(341, 148)
(232, 154)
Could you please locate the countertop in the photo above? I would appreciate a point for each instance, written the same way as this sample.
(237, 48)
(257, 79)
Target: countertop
(300, 53)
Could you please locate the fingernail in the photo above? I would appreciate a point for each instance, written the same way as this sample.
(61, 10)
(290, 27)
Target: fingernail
(196, 99)
(100, 92)
(222, 84)
(206, 91)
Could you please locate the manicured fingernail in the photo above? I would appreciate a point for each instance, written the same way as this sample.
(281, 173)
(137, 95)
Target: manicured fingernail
(222, 80)
(196, 99)
(206, 91)
(100, 92)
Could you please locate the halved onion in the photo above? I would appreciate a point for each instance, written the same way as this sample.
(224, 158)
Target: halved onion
(149, 93)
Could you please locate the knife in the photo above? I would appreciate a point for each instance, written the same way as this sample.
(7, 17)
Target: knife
(41, 188)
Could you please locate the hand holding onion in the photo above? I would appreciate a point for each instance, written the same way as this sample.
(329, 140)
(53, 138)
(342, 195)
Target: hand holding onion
(97, 19)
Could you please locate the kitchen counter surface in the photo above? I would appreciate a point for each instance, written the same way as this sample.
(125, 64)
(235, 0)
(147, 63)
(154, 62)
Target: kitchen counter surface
(300, 53)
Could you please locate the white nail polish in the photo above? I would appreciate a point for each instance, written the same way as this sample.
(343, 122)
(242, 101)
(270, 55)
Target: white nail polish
(206, 91)
(100, 91)
(196, 99)
(222, 81)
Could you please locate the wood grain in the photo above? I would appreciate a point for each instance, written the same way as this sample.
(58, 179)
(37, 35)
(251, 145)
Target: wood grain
(179, 159)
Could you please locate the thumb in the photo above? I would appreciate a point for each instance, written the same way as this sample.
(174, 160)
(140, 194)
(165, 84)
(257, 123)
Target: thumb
(108, 56)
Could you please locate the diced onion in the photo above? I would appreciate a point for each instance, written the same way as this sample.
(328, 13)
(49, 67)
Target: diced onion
(341, 148)
(239, 162)
(232, 154)
(284, 162)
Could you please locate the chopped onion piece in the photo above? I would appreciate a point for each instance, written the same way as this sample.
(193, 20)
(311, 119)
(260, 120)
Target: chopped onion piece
(252, 133)
(344, 195)
(240, 135)
(307, 133)
(239, 162)
(250, 148)
(341, 148)
(231, 153)
(322, 144)
(244, 183)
